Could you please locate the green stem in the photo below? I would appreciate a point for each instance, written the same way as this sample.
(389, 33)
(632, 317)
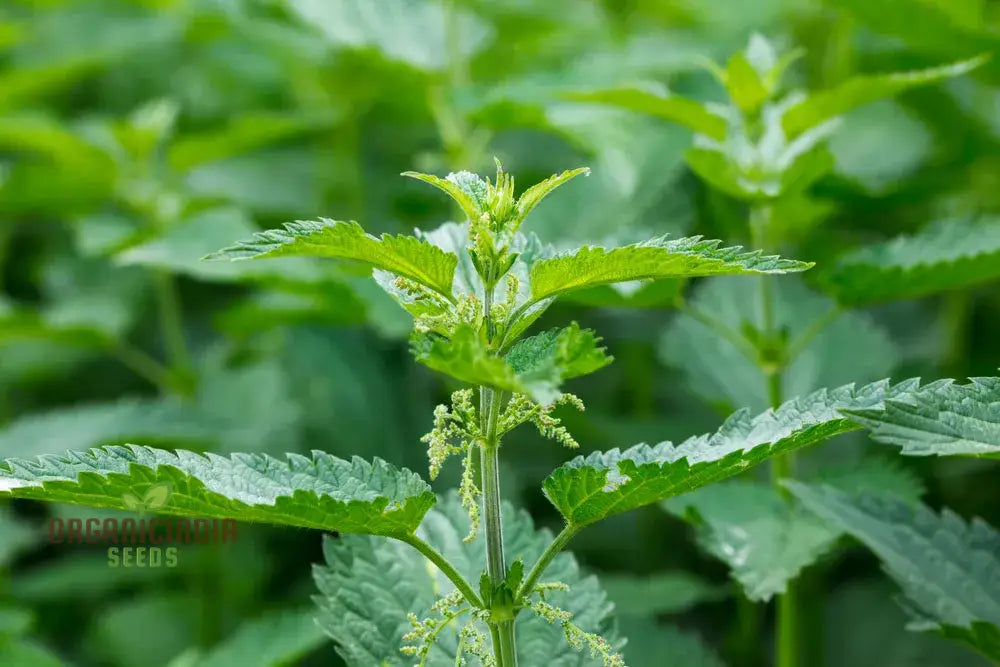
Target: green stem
(143, 365)
(782, 466)
(722, 329)
(551, 551)
(496, 568)
(800, 343)
(442, 564)
(172, 322)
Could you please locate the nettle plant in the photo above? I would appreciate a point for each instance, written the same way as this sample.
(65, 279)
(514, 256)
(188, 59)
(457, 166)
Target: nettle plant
(765, 148)
(464, 578)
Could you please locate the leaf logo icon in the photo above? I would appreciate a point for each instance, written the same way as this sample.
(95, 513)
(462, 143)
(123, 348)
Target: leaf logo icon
(155, 498)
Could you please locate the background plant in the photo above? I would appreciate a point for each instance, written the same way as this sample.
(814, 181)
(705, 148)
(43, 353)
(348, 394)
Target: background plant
(277, 111)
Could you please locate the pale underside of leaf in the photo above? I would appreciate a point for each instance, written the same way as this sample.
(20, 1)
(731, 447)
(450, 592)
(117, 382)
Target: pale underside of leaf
(949, 255)
(321, 492)
(655, 259)
(602, 484)
(949, 570)
(406, 256)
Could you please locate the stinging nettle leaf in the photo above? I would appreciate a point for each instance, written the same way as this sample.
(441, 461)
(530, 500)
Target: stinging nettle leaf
(765, 539)
(531, 197)
(942, 418)
(655, 259)
(949, 570)
(535, 366)
(406, 256)
(948, 255)
(369, 585)
(602, 484)
(321, 492)
(676, 109)
(826, 104)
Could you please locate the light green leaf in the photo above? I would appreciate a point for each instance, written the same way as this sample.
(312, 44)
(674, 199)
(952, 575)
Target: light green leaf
(27, 653)
(942, 418)
(603, 484)
(466, 188)
(949, 570)
(244, 133)
(948, 255)
(180, 248)
(663, 593)
(880, 144)
(823, 105)
(405, 256)
(545, 360)
(534, 366)
(676, 109)
(725, 370)
(368, 586)
(655, 259)
(274, 639)
(465, 357)
(408, 31)
(767, 541)
(321, 492)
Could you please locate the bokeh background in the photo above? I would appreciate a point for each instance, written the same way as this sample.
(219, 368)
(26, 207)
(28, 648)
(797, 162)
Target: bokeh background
(137, 136)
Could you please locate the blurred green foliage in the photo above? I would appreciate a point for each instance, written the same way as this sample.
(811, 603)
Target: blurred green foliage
(137, 136)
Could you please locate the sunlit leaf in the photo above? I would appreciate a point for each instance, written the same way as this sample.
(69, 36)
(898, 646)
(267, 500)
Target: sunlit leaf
(321, 492)
(603, 484)
(655, 259)
(674, 108)
(406, 256)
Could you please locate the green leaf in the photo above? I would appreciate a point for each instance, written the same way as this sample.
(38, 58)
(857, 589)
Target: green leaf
(948, 255)
(405, 256)
(663, 593)
(466, 188)
(179, 249)
(368, 586)
(276, 638)
(949, 570)
(676, 109)
(655, 259)
(413, 32)
(765, 540)
(244, 133)
(535, 366)
(17, 537)
(942, 418)
(653, 645)
(603, 484)
(725, 368)
(823, 105)
(531, 197)
(321, 492)
(545, 360)
(27, 653)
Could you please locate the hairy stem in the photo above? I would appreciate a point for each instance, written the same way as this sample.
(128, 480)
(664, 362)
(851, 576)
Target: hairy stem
(496, 568)
(442, 564)
(786, 635)
(551, 551)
